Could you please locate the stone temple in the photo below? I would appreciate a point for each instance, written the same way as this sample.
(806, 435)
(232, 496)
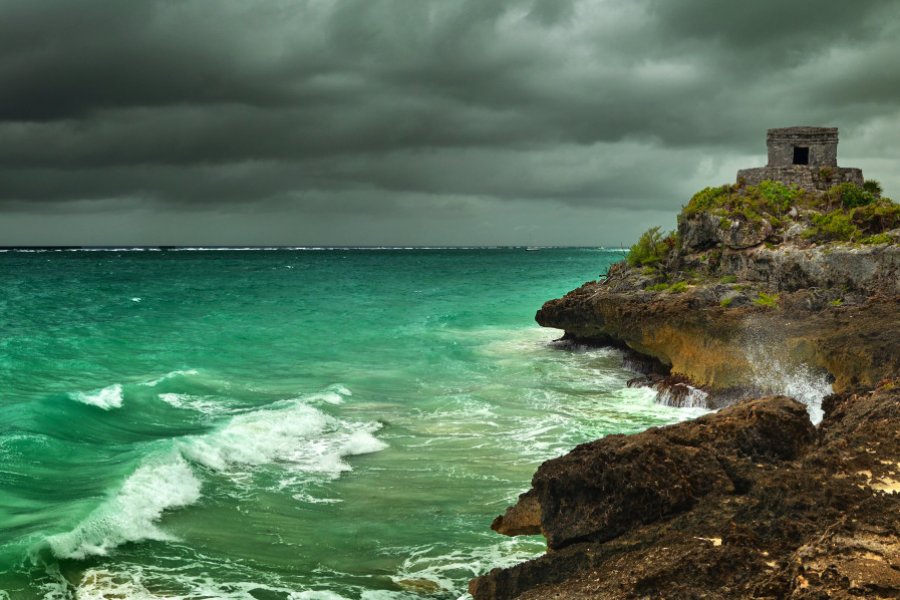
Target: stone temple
(802, 156)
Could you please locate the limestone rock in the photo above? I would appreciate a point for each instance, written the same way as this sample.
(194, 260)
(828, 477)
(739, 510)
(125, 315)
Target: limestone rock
(707, 230)
(609, 486)
(522, 518)
(785, 511)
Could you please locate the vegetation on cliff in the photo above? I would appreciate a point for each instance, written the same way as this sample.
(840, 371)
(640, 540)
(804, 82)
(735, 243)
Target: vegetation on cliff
(846, 212)
(721, 226)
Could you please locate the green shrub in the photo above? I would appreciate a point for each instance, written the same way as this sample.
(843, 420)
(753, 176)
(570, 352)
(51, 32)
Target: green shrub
(849, 195)
(872, 186)
(658, 287)
(778, 196)
(878, 217)
(729, 279)
(706, 199)
(836, 302)
(725, 302)
(833, 226)
(766, 300)
(678, 287)
(650, 248)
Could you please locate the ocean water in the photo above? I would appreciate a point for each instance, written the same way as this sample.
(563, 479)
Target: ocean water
(285, 424)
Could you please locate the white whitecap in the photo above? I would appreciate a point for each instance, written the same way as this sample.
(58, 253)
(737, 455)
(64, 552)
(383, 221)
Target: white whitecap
(333, 394)
(107, 398)
(201, 404)
(316, 595)
(171, 375)
(133, 582)
(132, 514)
(294, 434)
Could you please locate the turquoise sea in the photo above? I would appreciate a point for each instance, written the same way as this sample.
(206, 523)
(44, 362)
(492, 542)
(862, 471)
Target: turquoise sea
(285, 424)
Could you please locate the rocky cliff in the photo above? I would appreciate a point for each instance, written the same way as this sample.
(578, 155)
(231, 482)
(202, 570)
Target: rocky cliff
(754, 501)
(749, 502)
(747, 281)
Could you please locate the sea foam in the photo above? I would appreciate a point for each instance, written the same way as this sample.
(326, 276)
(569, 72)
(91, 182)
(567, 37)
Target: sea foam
(107, 398)
(300, 437)
(136, 582)
(801, 382)
(131, 515)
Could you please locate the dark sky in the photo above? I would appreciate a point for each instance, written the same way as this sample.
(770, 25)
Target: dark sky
(417, 122)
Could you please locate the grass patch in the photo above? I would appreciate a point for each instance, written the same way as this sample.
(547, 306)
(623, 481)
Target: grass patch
(672, 288)
(835, 226)
(878, 238)
(836, 302)
(865, 224)
(877, 217)
(728, 279)
(767, 300)
(725, 302)
(770, 200)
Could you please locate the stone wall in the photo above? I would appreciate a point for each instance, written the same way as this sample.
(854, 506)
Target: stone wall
(821, 141)
(808, 178)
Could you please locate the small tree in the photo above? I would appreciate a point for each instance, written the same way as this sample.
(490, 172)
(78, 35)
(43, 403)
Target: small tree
(650, 248)
(873, 187)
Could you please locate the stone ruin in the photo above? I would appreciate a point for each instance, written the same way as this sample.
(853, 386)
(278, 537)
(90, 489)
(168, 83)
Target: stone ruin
(802, 156)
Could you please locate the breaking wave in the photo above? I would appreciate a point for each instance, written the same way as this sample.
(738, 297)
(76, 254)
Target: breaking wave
(801, 382)
(107, 398)
(304, 441)
(131, 515)
(299, 436)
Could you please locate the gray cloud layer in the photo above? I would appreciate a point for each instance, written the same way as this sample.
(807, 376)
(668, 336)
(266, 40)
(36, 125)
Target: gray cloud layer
(438, 114)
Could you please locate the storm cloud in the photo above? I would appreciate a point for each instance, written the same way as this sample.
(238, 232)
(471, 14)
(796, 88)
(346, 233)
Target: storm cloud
(416, 121)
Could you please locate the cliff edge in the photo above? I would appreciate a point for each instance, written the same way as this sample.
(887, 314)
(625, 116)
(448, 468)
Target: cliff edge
(755, 276)
(753, 501)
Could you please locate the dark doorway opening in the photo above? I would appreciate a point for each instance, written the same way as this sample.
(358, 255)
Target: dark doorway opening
(801, 155)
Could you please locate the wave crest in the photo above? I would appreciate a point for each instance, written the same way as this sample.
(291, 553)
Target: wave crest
(131, 515)
(107, 398)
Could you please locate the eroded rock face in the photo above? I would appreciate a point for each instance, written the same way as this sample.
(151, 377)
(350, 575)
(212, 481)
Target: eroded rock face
(609, 486)
(522, 518)
(724, 348)
(783, 511)
(704, 230)
(847, 268)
